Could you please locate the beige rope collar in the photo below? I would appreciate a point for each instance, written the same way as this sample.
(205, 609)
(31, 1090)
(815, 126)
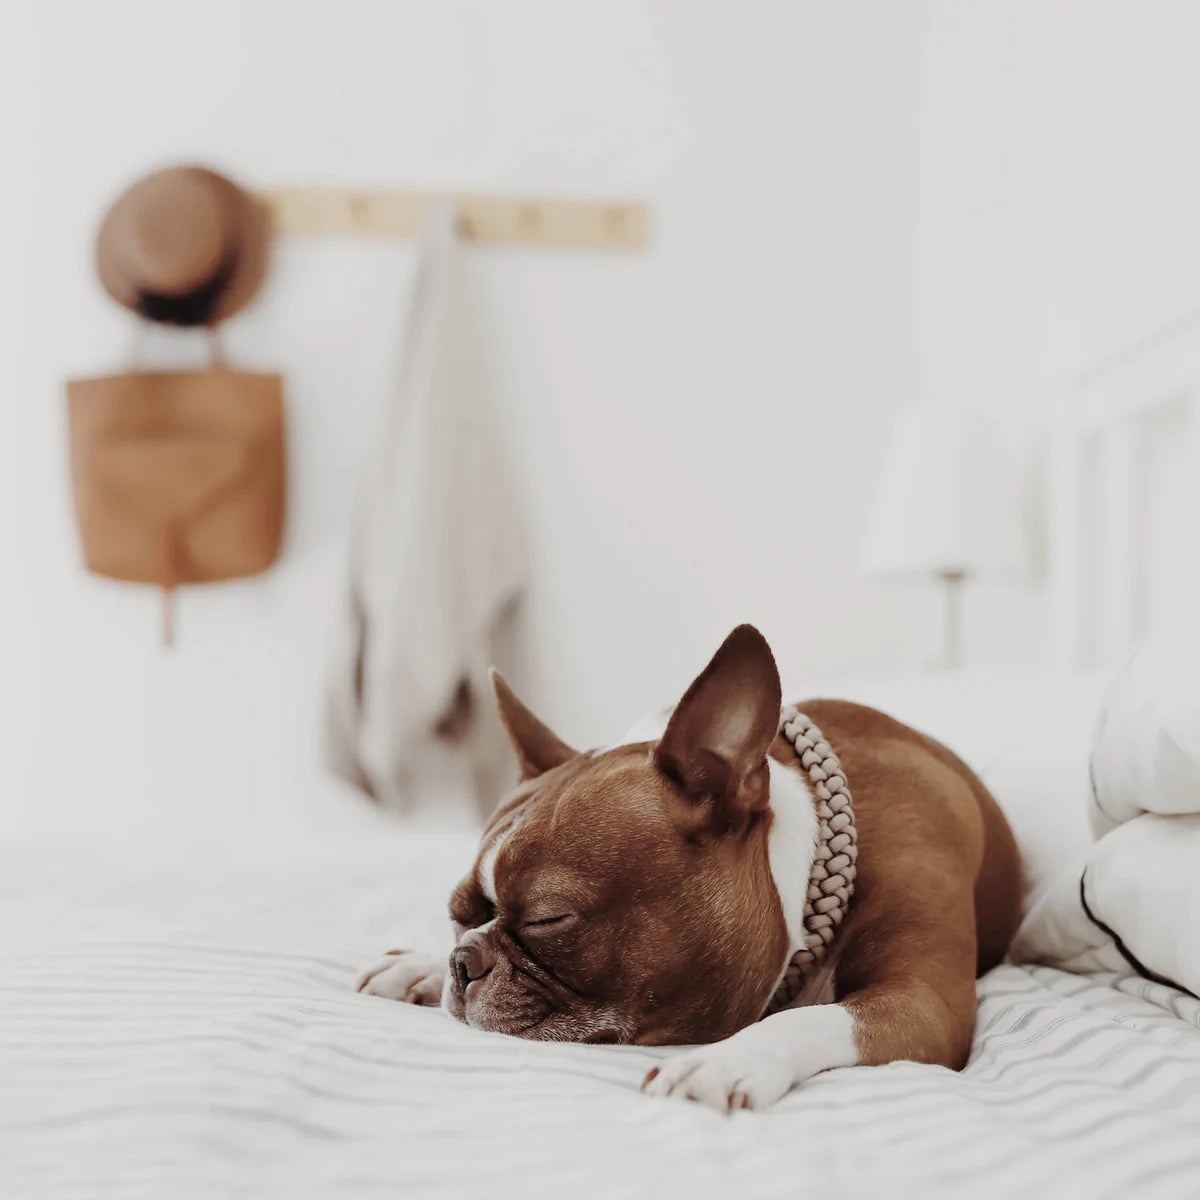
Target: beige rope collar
(831, 881)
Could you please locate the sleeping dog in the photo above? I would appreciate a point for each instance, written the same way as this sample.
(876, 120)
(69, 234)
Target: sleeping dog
(656, 892)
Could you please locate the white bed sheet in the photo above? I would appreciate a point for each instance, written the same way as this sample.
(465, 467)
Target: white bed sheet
(179, 1022)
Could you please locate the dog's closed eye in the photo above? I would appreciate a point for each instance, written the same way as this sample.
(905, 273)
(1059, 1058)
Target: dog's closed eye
(555, 924)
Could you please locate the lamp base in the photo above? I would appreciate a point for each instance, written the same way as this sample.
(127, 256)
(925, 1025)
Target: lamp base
(952, 651)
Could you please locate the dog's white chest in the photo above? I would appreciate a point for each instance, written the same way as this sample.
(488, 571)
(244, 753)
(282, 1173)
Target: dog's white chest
(790, 848)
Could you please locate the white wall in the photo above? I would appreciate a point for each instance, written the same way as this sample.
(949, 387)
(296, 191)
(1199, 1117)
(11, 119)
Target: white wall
(990, 75)
(1124, 180)
(1059, 188)
(1124, 193)
(696, 429)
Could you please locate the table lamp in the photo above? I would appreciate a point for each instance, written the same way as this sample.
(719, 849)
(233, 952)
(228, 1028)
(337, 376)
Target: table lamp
(951, 503)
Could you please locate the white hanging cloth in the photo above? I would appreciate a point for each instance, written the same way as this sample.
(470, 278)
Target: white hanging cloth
(438, 563)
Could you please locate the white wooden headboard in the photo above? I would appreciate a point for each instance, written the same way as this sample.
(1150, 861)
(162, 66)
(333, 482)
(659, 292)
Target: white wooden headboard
(1125, 498)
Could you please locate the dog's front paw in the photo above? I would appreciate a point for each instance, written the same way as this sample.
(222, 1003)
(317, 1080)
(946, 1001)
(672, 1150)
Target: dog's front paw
(407, 976)
(762, 1062)
(739, 1072)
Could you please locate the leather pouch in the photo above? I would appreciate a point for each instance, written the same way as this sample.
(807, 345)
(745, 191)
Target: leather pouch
(178, 476)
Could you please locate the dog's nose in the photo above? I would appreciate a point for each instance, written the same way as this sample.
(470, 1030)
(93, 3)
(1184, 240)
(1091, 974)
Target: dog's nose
(472, 959)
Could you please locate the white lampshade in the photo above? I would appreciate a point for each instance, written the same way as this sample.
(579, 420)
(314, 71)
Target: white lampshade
(952, 497)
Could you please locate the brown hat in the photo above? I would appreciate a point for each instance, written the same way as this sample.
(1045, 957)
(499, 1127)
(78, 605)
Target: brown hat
(184, 246)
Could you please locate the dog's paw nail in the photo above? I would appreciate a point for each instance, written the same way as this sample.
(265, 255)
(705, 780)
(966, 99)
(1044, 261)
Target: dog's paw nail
(651, 1076)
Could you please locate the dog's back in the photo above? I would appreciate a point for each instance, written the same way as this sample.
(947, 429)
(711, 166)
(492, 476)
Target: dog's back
(913, 795)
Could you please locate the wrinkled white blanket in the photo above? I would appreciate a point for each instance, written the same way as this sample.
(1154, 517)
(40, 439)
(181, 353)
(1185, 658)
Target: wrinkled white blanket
(178, 1020)
(183, 1024)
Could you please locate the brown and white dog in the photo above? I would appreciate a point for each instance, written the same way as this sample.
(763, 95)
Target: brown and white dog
(653, 893)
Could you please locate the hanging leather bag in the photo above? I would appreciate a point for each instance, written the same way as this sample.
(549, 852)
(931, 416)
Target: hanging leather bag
(178, 476)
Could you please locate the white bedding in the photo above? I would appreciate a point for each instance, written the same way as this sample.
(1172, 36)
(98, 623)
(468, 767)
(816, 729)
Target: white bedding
(177, 1019)
(184, 1025)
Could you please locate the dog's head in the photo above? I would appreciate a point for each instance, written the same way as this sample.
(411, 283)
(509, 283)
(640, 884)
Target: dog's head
(625, 895)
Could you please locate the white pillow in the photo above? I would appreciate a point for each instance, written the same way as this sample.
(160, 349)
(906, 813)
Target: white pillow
(1146, 751)
(1132, 901)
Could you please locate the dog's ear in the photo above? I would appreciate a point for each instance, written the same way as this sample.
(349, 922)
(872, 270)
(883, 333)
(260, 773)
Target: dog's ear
(715, 746)
(538, 749)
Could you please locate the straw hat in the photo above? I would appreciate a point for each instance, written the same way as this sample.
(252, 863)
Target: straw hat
(184, 246)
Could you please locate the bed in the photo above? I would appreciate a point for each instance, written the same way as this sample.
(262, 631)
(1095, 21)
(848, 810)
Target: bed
(187, 1026)
(177, 1014)
(177, 1017)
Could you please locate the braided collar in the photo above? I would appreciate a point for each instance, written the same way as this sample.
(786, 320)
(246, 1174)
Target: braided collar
(831, 880)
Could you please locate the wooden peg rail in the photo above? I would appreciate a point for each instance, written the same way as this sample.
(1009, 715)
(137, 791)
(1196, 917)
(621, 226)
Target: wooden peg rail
(493, 220)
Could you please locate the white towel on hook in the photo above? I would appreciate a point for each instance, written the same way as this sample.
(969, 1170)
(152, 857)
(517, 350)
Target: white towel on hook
(437, 565)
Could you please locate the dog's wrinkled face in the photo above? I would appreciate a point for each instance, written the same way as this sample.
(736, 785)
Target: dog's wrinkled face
(626, 896)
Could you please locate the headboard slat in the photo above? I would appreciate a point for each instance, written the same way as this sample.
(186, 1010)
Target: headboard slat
(1098, 567)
